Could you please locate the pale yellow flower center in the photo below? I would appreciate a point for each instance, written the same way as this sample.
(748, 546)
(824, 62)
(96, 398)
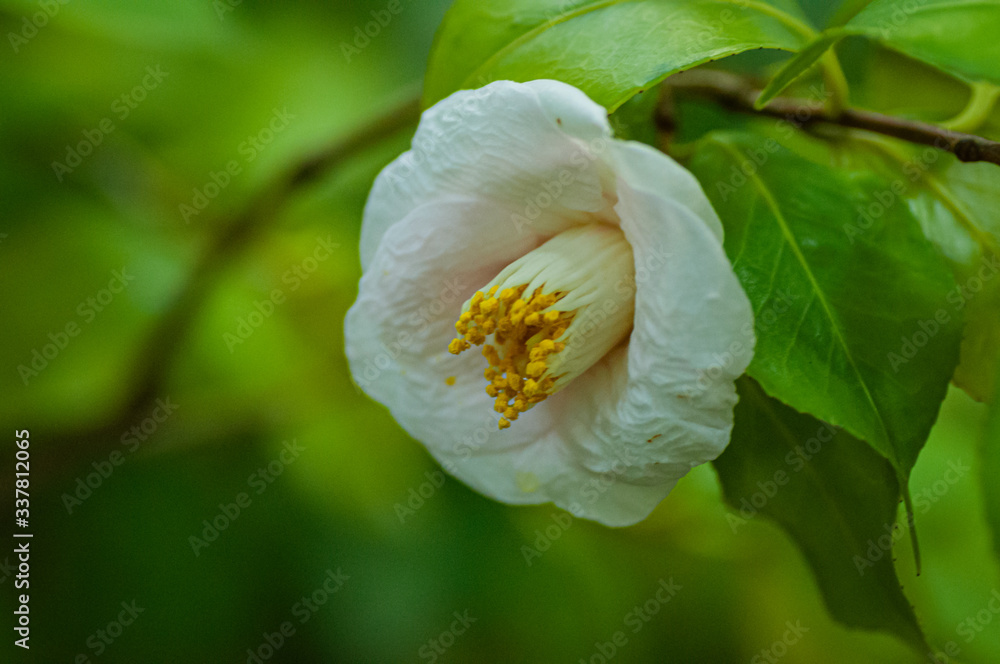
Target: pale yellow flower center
(549, 316)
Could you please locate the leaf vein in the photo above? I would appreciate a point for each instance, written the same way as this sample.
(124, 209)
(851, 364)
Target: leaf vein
(827, 309)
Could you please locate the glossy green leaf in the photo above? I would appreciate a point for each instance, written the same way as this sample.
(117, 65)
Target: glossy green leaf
(834, 496)
(958, 207)
(957, 36)
(849, 295)
(610, 49)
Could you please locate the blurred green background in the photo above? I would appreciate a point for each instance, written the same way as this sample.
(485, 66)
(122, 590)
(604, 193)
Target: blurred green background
(228, 75)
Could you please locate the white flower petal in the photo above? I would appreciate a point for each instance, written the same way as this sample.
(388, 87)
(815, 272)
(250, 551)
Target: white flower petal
(614, 442)
(558, 458)
(397, 332)
(692, 336)
(629, 428)
(648, 170)
(515, 144)
(621, 435)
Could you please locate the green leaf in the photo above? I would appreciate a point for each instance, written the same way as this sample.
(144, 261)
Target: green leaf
(634, 120)
(796, 67)
(847, 10)
(849, 299)
(610, 49)
(989, 468)
(835, 498)
(957, 36)
(958, 207)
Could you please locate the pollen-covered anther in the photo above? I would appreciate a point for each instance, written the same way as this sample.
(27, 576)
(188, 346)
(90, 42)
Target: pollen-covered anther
(457, 346)
(523, 331)
(488, 308)
(462, 324)
(550, 315)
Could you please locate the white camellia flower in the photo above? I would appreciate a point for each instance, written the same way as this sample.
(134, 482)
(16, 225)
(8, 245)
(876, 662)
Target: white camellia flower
(548, 309)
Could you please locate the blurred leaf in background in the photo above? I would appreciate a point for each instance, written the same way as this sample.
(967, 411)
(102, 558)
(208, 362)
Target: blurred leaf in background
(254, 506)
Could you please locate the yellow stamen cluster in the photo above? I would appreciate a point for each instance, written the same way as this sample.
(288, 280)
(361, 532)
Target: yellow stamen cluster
(524, 338)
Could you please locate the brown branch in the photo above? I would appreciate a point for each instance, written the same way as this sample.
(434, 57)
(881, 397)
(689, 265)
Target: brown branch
(161, 347)
(737, 94)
